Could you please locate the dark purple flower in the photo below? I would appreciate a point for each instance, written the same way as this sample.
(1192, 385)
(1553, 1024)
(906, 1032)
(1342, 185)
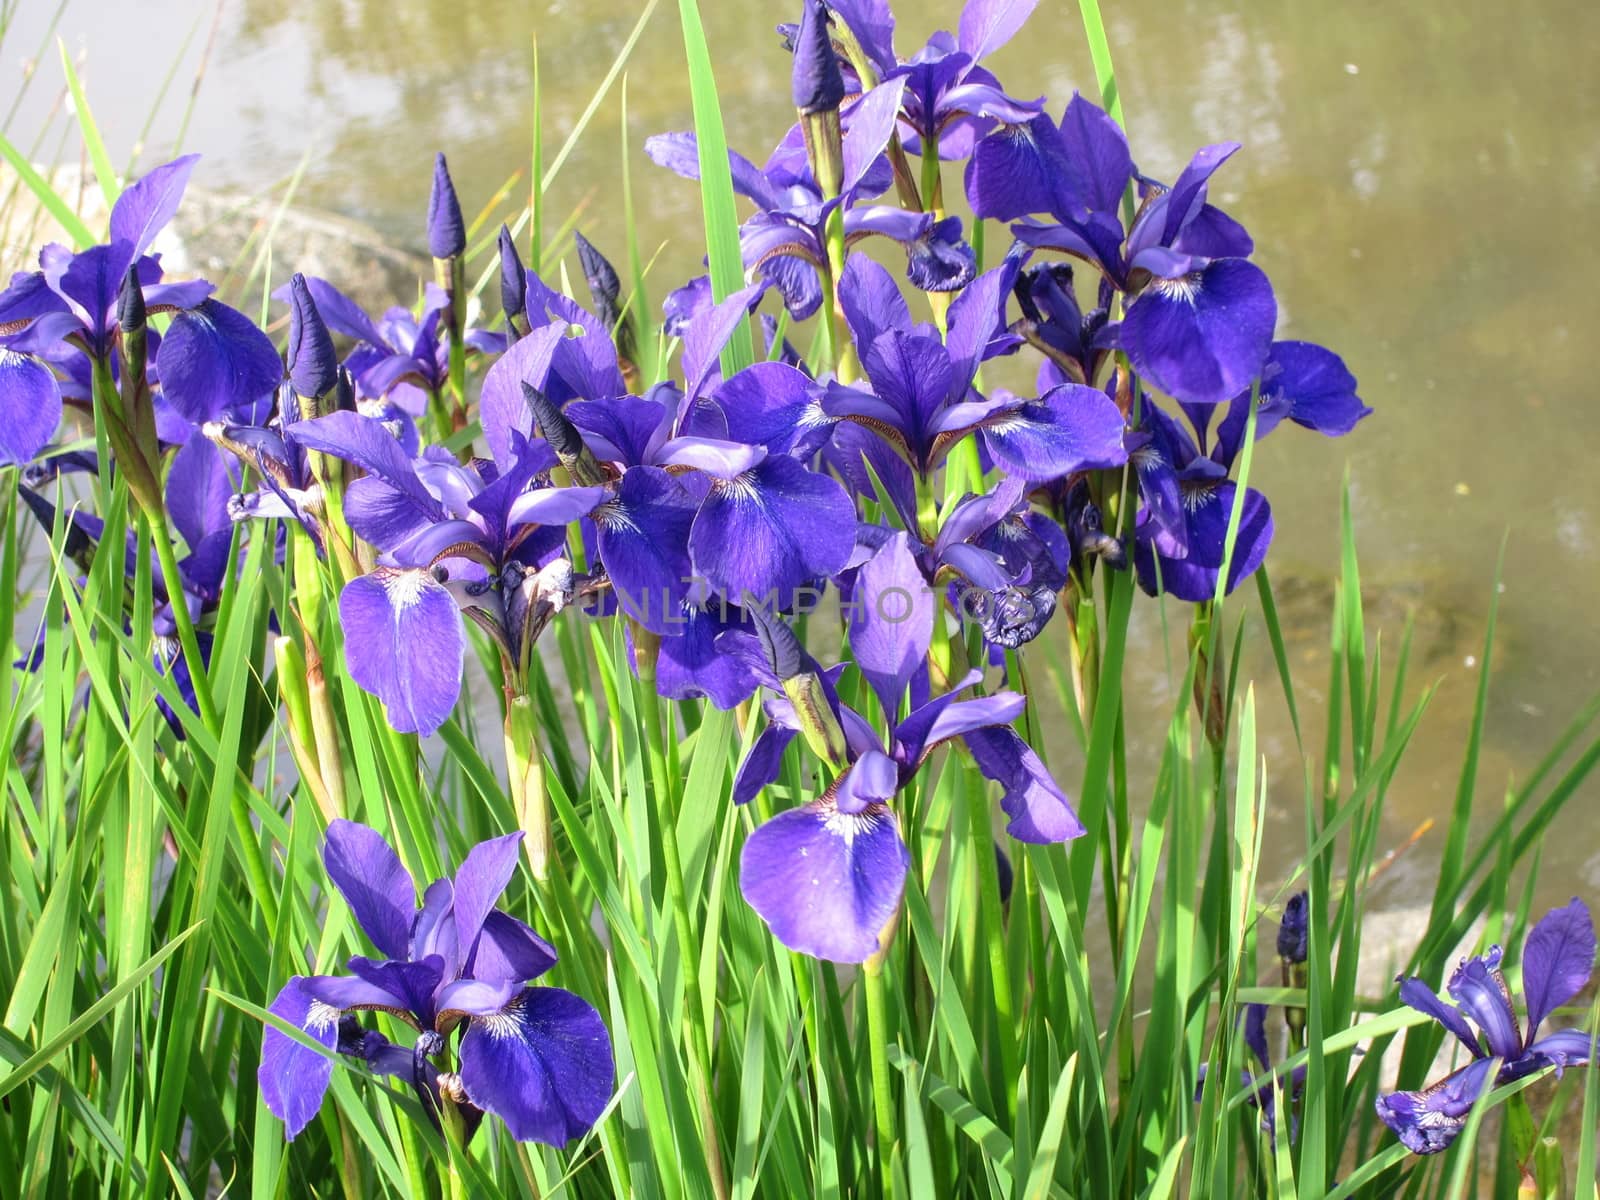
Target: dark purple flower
(539, 1058)
(1557, 960)
(215, 364)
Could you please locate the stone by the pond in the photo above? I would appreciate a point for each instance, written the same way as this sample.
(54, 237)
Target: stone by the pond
(225, 237)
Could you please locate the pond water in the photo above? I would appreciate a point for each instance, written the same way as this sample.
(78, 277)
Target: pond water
(1419, 179)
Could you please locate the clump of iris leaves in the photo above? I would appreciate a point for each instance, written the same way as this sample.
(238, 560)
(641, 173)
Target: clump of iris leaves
(701, 673)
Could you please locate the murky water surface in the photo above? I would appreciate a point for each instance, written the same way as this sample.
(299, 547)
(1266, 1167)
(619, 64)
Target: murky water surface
(1422, 181)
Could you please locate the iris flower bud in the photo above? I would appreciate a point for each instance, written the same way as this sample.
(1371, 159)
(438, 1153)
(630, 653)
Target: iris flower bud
(447, 232)
(313, 365)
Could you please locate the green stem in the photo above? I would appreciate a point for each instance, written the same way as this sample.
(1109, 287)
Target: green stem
(665, 810)
(994, 927)
(882, 1094)
(456, 1141)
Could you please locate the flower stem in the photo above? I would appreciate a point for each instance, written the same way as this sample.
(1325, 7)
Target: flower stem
(882, 1095)
(994, 928)
(665, 810)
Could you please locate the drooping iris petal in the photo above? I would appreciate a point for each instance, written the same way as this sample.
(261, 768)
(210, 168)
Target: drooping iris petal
(1480, 989)
(772, 404)
(199, 484)
(542, 1065)
(1311, 386)
(373, 882)
(826, 882)
(294, 1078)
(762, 764)
(771, 529)
(1556, 961)
(1039, 810)
(480, 880)
(691, 666)
(404, 644)
(1070, 428)
(891, 620)
(644, 545)
(1427, 1121)
(1017, 170)
(1194, 577)
(30, 407)
(214, 360)
(1202, 335)
(1418, 995)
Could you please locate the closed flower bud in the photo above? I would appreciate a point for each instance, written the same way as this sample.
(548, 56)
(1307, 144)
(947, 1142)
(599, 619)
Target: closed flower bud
(447, 232)
(313, 365)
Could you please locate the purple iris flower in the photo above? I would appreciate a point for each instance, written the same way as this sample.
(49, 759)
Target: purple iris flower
(700, 484)
(948, 96)
(1556, 963)
(73, 297)
(828, 876)
(785, 240)
(1186, 492)
(539, 1058)
(456, 540)
(1261, 1085)
(1200, 316)
(923, 402)
(1012, 563)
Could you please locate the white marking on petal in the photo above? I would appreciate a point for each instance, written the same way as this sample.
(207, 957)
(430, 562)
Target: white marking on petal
(848, 825)
(321, 1016)
(612, 516)
(404, 588)
(504, 1024)
(1184, 288)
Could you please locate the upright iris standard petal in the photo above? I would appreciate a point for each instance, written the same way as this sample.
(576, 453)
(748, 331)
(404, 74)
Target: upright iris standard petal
(826, 882)
(1096, 156)
(772, 528)
(891, 620)
(294, 1078)
(1427, 1121)
(373, 881)
(30, 407)
(542, 1065)
(214, 360)
(1039, 810)
(447, 232)
(1480, 989)
(146, 205)
(986, 25)
(872, 301)
(480, 880)
(404, 644)
(1557, 960)
(1201, 334)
